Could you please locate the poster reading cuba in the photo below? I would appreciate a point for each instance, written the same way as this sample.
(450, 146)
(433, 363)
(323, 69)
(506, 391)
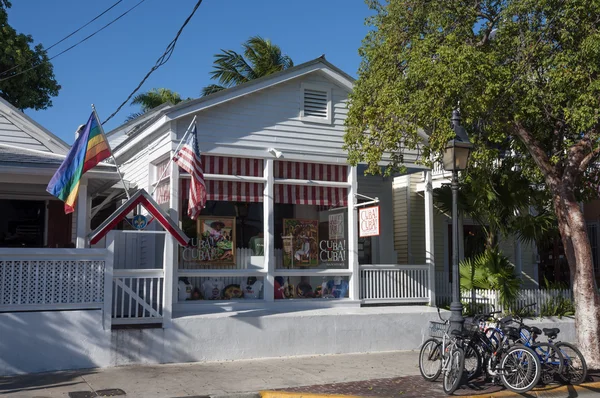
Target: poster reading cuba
(215, 243)
(300, 248)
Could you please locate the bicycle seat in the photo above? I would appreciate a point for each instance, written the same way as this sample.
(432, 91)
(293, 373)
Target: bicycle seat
(536, 330)
(511, 332)
(551, 332)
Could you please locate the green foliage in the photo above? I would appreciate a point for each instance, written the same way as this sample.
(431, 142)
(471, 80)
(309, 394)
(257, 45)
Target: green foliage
(491, 270)
(557, 306)
(33, 88)
(153, 98)
(530, 93)
(260, 58)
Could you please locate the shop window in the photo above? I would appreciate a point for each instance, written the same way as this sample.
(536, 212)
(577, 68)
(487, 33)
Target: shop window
(311, 237)
(226, 235)
(311, 287)
(22, 223)
(193, 289)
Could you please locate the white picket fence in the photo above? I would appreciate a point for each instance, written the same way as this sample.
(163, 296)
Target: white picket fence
(394, 284)
(490, 299)
(137, 296)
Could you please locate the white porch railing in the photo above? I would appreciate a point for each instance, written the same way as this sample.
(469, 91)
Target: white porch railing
(394, 284)
(52, 279)
(137, 296)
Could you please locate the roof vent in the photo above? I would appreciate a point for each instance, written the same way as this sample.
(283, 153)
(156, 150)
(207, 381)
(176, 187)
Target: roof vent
(316, 104)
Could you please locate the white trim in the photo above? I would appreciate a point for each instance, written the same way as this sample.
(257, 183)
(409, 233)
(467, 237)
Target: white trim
(82, 225)
(138, 273)
(430, 236)
(51, 307)
(226, 177)
(54, 254)
(409, 254)
(353, 235)
(385, 267)
(313, 272)
(49, 170)
(201, 273)
(269, 230)
(316, 183)
(327, 89)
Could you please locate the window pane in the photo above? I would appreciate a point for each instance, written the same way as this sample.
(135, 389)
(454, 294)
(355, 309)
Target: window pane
(225, 288)
(301, 287)
(311, 237)
(227, 235)
(22, 223)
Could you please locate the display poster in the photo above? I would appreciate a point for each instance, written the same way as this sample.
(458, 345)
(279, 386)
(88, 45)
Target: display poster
(336, 226)
(215, 243)
(300, 247)
(368, 221)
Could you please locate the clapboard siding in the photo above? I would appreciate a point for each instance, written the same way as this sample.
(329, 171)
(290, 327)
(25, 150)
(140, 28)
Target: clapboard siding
(10, 134)
(401, 188)
(271, 118)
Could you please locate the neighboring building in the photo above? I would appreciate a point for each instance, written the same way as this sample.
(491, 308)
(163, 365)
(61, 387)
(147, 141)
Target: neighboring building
(29, 156)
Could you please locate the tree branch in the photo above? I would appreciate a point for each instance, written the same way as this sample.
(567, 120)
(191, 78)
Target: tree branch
(538, 154)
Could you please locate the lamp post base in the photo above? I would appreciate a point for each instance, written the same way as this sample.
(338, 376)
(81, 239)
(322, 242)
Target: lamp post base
(456, 317)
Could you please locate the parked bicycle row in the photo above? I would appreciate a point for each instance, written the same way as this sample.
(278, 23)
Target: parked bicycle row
(504, 350)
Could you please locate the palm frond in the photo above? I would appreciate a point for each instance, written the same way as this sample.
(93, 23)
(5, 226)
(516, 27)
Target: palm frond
(211, 88)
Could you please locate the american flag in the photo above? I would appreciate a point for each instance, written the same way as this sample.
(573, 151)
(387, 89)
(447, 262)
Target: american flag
(188, 158)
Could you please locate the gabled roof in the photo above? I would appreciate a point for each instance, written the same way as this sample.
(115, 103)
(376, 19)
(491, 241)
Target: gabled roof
(121, 133)
(185, 108)
(29, 126)
(140, 197)
(15, 156)
(188, 107)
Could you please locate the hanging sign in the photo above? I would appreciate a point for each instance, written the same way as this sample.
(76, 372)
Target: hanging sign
(139, 222)
(368, 221)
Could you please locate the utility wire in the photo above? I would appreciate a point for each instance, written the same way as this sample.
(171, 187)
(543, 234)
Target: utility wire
(163, 59)
(69, 35)
(76, 44)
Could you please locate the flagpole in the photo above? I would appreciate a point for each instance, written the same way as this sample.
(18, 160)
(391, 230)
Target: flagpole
(111, 152)
(176, 150)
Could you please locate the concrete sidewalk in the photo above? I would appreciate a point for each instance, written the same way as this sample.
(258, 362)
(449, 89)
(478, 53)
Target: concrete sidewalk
(390, 374)
(214, 378)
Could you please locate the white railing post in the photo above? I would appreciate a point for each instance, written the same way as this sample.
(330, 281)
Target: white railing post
(353, 234)
(108, 280)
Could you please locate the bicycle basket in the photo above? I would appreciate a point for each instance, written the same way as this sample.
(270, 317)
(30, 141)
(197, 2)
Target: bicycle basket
(470, 327)
(437, 329)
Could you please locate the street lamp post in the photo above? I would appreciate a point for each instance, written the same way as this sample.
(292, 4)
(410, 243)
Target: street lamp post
(456, 158)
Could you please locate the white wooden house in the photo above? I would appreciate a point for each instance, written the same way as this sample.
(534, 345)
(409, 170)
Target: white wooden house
(290, 256)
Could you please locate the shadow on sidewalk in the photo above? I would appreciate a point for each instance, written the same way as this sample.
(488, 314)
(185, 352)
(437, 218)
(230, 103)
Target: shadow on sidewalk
(40, 381)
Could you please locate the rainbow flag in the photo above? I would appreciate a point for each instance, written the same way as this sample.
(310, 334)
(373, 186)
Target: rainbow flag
(89, 149)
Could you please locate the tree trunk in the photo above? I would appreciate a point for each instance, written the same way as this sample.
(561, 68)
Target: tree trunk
(578, 251)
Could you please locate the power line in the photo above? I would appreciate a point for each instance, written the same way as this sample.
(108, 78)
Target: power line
(69, 35)
(163, 59)
(76, 44)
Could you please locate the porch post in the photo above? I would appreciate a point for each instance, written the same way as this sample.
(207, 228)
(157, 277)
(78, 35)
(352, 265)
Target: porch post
(108, 280)
(171, 255)
(429, 243)
(269, 230)
(82, 215)
(353, 236)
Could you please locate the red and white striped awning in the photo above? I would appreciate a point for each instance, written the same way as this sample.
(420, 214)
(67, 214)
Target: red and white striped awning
(310, 195)
(231, 191)
(234, 191)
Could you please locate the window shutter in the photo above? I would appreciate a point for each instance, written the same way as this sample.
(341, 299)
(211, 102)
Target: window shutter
(315, 103)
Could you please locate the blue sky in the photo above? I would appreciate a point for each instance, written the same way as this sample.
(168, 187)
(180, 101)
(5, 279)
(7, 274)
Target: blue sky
(108, 66)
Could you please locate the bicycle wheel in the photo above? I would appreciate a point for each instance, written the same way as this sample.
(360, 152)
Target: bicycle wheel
(473, 361)
(521, 369)
(430, 359)
(575, 369)
(454, 372)
(551, 360)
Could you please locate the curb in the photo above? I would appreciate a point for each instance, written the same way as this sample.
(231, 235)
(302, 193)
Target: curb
(287, 394)
(545, 392)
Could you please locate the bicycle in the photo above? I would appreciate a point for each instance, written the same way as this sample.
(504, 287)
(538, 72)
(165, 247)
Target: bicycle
(445, 356)
(516, 366)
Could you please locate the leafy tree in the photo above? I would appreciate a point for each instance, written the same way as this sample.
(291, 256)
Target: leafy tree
(260, 58)
(153, 98)
(527, 75)
(33, 83)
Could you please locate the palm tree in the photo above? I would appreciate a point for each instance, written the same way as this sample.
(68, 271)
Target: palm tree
(260, 58)
(153, 98)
